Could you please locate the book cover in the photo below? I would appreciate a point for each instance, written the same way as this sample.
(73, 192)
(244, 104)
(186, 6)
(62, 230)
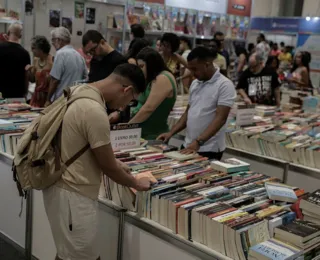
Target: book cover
(298, 231)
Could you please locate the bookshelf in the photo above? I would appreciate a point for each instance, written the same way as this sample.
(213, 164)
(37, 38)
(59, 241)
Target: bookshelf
(158, 19)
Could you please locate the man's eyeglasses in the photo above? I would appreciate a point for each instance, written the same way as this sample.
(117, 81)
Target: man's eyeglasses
(92, 51)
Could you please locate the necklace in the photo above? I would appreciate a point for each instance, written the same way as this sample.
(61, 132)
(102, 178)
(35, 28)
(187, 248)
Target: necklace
(43, 64)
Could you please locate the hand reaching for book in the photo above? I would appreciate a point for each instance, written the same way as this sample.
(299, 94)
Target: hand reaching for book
(164, 137)
(143, 184)
(192, 148)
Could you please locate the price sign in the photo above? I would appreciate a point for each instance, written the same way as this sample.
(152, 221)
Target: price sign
(245, 115)
(125, 136)
(310, 104)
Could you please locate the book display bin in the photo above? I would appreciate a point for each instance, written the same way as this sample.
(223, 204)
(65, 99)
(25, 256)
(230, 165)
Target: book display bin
(123, 235)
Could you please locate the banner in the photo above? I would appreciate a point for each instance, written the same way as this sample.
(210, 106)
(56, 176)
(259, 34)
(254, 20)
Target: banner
(239, 7)
(286, 25)
(214, 6)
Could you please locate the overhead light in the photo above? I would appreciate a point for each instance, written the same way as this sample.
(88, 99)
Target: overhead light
(308, 18)
(315, 18)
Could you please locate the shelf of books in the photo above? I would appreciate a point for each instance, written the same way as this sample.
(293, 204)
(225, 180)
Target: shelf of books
(196, 208)
(277, 138)
(234, 212)
(157, 19)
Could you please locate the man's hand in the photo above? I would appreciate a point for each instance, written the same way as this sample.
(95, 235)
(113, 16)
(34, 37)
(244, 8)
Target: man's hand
(164, 137)
(48, 103)
(143, 184)
(247, 101)
(192, 148)
(123, 166)
(114, 117)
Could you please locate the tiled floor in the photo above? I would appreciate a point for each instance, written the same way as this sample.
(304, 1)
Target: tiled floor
(8, 252)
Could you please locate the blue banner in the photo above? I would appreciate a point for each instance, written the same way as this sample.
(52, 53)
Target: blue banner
(261, 24)
(286, 25)
(309, 27)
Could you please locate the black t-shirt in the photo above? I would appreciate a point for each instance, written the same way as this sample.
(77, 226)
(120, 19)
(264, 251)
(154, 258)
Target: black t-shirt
(100, 69)
(13, 60)
(260, 87)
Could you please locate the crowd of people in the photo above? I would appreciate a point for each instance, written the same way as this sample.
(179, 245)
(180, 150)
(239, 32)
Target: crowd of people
(138, 87)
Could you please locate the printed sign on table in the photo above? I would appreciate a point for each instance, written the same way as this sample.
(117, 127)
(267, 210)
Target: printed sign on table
(125, 136)
(245, 115)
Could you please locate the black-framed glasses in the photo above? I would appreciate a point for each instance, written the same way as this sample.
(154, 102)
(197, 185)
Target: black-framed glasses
(92, 51)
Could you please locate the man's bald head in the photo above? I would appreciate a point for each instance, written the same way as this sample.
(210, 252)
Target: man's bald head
(255, 63)
(15, 30)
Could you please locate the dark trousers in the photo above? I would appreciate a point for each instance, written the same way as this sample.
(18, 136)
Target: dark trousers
(210, 155)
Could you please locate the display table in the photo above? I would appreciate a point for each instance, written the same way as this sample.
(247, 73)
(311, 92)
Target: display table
(122, 235)
(12, 227)
(292, 174)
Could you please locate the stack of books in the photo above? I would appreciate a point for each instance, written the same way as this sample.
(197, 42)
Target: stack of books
(310, 206)
(304, 235)
(265, 110)
(222, 205)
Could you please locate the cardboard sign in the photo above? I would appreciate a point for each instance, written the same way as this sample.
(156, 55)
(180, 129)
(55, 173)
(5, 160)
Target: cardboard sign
(125, 136)
(245, 115)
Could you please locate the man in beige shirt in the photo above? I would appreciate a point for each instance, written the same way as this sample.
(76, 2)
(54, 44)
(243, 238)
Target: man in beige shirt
(71, 204)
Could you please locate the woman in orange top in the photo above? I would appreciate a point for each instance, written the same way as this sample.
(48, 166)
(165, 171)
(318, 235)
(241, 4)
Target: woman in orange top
(40, 71)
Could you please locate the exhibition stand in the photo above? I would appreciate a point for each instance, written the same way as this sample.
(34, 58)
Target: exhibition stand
(302, 33)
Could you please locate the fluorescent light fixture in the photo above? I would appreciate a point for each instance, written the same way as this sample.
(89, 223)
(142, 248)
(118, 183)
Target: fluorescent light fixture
(308, 18)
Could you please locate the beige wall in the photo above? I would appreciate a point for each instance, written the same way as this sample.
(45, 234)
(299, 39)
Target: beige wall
(265, 8)
(311, 8)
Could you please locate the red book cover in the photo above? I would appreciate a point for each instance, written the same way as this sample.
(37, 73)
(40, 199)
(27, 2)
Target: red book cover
(178, 205)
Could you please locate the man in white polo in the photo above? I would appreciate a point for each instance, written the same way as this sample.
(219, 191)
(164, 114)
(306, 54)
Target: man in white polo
(211, 97)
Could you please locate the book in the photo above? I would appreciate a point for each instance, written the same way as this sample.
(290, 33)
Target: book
(230, 165)
(280, 192)
(274, 249)
(298, 232)
(162, 148)
(181, 157)
(311, 203)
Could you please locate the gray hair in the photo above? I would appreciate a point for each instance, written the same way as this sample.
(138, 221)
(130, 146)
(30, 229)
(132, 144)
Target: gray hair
(16, 29)
(61, 33)
(257, 56)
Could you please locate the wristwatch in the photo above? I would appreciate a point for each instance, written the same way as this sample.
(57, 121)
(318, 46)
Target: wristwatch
(200, 142)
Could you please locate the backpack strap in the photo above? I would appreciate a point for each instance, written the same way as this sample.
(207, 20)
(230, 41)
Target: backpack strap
(77, 155)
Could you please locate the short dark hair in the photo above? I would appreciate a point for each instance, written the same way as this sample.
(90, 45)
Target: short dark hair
(172, 39)
(282, 44)
(134, 74)
(250, 46)
(137, 46)
(41, 43)
(218, 34)
(186, 40)
(262, 36)
(137, 30)
(271, 59)
(154, 61)
(217, 42)
(91, 35)
(201, 53)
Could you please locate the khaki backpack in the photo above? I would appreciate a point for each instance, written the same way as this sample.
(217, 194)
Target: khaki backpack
(37, 163)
